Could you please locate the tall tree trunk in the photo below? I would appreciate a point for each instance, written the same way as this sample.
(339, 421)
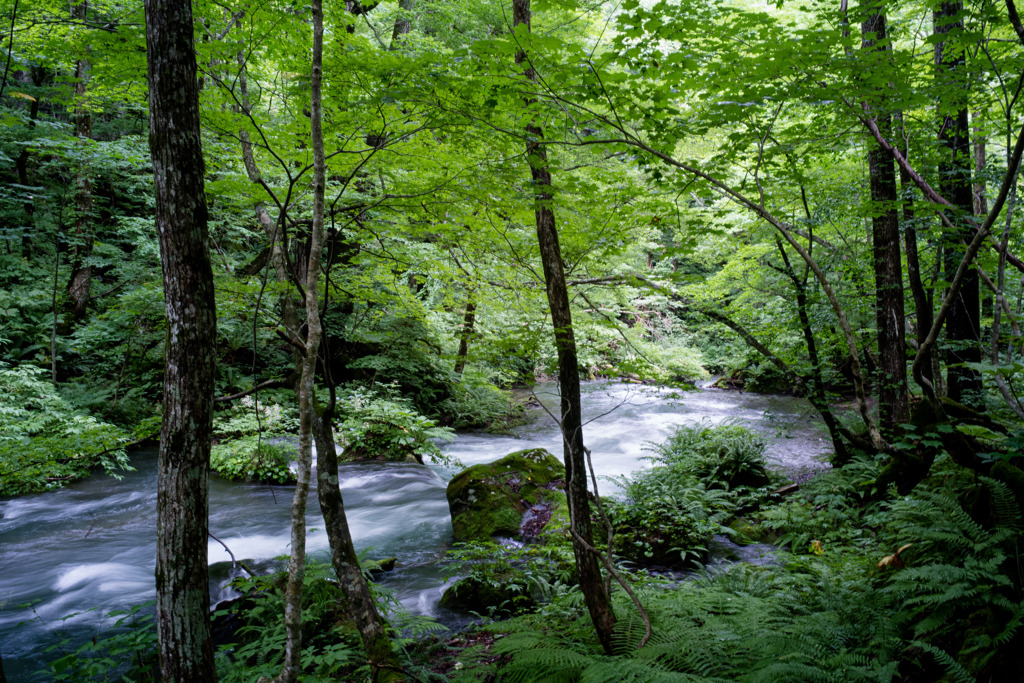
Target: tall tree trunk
(465, 333)
(591, 583)
(963, 325)
(980, 200)
(21, 165)
(307, 413)
(80, 282)
(890, 320)
(182, 580)
(372, 628)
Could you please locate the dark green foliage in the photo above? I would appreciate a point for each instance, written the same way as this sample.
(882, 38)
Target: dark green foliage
(659, 523)
(961, 592)
(129, 654)
(46, 443)
(331, 645)
(505, 579)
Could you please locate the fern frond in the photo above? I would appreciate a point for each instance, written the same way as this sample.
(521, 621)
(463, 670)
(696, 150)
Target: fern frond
(952, 667)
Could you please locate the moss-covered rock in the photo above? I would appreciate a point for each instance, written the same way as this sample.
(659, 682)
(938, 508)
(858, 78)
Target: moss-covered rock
(490, 499)
(499, 597)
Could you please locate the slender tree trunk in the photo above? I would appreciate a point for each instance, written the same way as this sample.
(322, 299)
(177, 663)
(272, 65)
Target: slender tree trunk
(890, 320)
(963, 324)
(818, 396)
(922, 300)
(465, 333)
(307, 413)
(80, 282)
(273, 229)
(587, 563)
(182, 581)
(978, 194)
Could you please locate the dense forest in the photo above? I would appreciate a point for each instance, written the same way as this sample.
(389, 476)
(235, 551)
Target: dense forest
(268, 234)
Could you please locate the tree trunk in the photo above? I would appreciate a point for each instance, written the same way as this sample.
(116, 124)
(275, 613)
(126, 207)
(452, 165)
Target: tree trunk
(372, 628)
(963, 325)
(980, 200)
(465, 333)
(80, 282)
(403, 22)
(273, 229)
(182, 581)
(21, 165)
(893, 399)
(307, 413)
(817, 396)
(922, 299)
(591, 583)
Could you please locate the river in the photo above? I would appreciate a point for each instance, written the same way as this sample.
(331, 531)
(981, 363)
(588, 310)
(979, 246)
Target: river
(89, 548)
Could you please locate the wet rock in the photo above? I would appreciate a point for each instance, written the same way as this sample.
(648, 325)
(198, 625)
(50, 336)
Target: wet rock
(491, 499)
(379, 567)
(499, 597)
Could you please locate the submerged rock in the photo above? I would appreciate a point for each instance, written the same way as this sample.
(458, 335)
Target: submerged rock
(492, 499)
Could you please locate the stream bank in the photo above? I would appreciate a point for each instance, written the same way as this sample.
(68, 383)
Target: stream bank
(91, 545)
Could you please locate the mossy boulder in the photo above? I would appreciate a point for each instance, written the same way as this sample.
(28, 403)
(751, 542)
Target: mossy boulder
(491, 499)
(503, 596)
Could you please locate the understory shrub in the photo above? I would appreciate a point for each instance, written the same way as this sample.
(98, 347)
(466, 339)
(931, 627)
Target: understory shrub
(663, 522)
(376, 427)
(44, 441)
(253, 440)
(502, 579)
(721, 456)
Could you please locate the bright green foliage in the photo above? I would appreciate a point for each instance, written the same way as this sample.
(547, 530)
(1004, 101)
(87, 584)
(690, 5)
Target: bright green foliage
(724, 456)
(378, 428)
(252, 441)
(44, 442)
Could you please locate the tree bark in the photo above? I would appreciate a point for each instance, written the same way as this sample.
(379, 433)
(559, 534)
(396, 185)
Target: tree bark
(587, 563)
(893, 399)
(361, 608)
(182, 581)
(307, 414)
(923, 306)
(465, 333)
(817, 395)
(963, 324)
(403, 22)
(80, 282)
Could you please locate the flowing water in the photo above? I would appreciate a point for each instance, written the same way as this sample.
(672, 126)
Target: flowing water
(75, 554)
